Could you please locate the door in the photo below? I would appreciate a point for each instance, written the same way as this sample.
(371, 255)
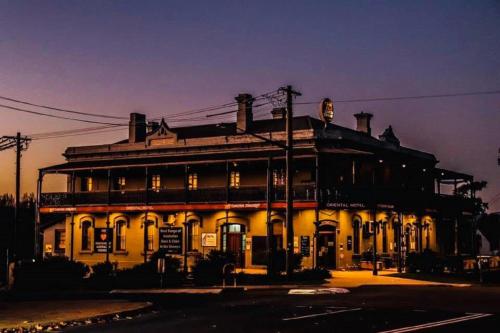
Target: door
(233, 239)
(327, 249)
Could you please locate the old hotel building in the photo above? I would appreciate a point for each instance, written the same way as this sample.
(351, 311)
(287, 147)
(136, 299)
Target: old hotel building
(189, 190)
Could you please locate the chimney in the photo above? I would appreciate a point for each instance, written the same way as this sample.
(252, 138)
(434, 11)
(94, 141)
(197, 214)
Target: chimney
(137, 128)
(363, 122)
(278, 113)
(244, 116)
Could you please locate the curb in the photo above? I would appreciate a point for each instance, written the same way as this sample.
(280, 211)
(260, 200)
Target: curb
(48, 326)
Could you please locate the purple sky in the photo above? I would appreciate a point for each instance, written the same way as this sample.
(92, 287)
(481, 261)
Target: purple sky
(163, 57)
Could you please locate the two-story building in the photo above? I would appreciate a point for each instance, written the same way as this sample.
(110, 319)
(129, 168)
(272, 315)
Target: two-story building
(190, 190)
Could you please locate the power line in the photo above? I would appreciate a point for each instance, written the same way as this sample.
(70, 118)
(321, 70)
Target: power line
(59, 109)
(378, 99)
(55, 116)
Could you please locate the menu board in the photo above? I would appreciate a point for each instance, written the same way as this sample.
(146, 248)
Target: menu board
(103, 237)
(171, 240)
(305, 243)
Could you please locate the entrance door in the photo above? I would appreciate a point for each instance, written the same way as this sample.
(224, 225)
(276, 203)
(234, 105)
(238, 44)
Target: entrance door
(327, 249)
(233, 239)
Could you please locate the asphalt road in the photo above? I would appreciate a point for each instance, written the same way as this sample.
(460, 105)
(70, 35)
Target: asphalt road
(368, 309)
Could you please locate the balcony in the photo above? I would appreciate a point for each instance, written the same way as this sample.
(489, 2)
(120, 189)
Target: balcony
(176, 195)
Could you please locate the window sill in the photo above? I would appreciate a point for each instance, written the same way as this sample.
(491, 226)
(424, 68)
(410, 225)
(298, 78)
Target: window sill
(120, 253)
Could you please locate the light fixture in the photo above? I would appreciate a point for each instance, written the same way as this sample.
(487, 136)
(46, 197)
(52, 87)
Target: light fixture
(403, 165)
(424, 170)
(381, 161)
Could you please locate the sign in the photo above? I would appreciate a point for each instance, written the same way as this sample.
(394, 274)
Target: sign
(326, 110)
(103, 239)
(349, 243)
(48, 248)
(305, 246)
(208, 239)
(171, 240)
(345, 205)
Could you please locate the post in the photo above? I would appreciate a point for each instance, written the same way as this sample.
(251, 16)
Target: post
(72, 236)
(107, 216)
(316, 213)
(186, 238)
(375, 224)
(37, 251)
(398, 241)
(146, 219)
(18, 191)
(269, 240)
(228, 182)
(289, 182)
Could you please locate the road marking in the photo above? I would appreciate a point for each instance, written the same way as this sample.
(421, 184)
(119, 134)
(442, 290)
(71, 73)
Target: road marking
(320, 314)
(471, 316)
(319, 291)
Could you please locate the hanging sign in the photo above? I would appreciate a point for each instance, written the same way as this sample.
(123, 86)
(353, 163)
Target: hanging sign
(208, 239)
(103, 238)
(326, 110)
(171, 240)
(305, 246)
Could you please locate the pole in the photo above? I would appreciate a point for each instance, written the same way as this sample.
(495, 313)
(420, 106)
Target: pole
(398, 241)
(289, 180)
(18, 191)
(146, 219)
(270, 244)
(375, 224)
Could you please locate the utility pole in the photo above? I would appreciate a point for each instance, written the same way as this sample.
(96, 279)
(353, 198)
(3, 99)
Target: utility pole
(20, 143)
(290, 93)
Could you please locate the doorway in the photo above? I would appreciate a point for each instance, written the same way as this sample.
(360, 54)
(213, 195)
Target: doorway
(327, 245)
(233, 241)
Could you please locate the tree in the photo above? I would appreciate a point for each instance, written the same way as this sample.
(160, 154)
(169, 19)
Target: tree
(480, 207)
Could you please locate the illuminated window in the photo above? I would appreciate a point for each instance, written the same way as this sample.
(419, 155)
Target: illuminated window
(87, 184)
(193, 181)
(60, 240)
(121, 227)
(193, 230)
(121, 181)
(86, 238)
(279, 177)
(150, 236)
(234, 179)
(155, 182)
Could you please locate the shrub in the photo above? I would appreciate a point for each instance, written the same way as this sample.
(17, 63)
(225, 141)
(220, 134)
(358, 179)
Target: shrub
(280, 261)
(425, 262)
(50, 274)
(312, 274)
(208, 271)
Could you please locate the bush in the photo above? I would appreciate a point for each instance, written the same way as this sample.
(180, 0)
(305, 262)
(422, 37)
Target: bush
(54, 273)
(280, 261)
(425, 262)
(312, 274)
(146, 275)
(208, 271)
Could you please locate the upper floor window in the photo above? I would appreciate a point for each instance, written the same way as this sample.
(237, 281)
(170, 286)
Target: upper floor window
(120, 183)
(150, 236)
(193, 181)
(279, 177)
(87, 184)
(121, 227)
(86, 237)
(60, 240)
(234, 179)
(156, 182)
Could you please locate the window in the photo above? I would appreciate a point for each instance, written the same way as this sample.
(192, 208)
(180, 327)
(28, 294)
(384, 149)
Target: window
(87, 184)
(86, 239)
(384, 237)
(234, 179)
(150, 236)
(156, 182)
(60, 240)
(193, 230)
(356, 226)
(193, 181)
(121, 227)
(120, 183)
(279, 177)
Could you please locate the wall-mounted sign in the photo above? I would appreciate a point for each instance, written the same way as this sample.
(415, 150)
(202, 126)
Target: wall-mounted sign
(208, 239)
(326, 110)
(103, 239)
(349, 243)
(171, 240)
(305, 246)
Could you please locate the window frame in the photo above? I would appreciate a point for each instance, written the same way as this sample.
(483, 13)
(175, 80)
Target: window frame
(234, 179)
(193, 181)
(121, 236)
(86, 238)
(57, 240)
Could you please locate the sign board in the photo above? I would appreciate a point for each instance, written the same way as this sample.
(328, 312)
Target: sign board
(103, 239)
(171, 240)
(208, 239)
(305, 246)
(349, 243)
(48, 248)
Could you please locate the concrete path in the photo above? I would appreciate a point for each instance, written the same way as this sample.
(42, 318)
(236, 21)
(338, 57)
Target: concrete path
(352, 279)
(15, 314)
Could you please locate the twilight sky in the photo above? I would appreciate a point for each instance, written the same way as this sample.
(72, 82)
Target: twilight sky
(164, 57)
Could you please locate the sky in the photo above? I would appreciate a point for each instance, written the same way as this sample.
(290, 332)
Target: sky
(166, 57)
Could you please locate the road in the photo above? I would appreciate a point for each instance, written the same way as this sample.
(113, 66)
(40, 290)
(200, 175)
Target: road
(368, 309)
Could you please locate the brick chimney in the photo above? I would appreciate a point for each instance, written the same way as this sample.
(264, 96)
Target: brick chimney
(137, 128)
(278, 113)
(363, 122)
(244, 116)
